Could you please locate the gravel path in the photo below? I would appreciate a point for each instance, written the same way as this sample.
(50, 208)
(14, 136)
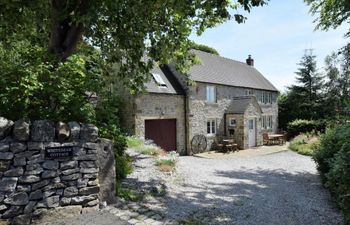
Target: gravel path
(272, 189)
(280, 188)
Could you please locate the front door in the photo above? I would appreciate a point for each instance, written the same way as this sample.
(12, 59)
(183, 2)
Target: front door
(251, 133)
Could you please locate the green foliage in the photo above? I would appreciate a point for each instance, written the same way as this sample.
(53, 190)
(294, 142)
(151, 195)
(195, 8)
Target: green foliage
(123, 30)
(204, 48)
(304, 100)
(149, 150)
(167, 162)
(297, 127)
(331, 13)
(338, 179)
(333, 162)
(31, 87)
(331, 142)
(134, 142)
(305, 144)
(129, 194)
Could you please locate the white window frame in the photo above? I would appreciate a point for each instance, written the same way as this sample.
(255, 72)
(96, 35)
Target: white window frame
(211, 127)
(159, 80)
(266, 97)
(232, 122)
(269, 97)
(211, 94)
(262, 97)
(267, 122)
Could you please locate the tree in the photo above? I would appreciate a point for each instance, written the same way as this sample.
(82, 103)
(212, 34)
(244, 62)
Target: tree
(332, 91)
(204, 48)
(338, 84)
(303, 100)
(310, 86)
(332, 13)
(123, 30)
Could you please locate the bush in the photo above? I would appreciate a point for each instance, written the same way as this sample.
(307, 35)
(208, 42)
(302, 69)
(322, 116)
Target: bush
(331, 142)
(338, 179)
(333, 162)
(305, 144)
(297, 127)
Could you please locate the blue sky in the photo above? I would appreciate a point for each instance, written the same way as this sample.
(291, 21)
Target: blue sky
(276, 36)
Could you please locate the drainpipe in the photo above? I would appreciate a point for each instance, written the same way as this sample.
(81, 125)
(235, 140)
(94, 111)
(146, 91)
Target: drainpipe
(225, 124)
(187, 126)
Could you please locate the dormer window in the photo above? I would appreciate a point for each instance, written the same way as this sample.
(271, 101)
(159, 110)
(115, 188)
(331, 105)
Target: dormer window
(159, 80)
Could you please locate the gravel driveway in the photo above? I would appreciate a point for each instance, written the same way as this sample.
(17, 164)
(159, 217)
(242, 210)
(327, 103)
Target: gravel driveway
(279, 188)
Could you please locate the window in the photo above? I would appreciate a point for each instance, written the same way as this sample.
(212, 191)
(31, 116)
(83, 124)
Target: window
(211, 94)
(249, 92)
(266, 122)
(233, 122)
(262, 97)
(266, 97)
(159, 80)
(211, 127)
(269, 122)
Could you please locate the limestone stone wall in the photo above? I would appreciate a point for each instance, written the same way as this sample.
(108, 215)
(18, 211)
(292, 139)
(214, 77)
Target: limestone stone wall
(52, 169)
(200, 111)
(161, 106)
(252, 113)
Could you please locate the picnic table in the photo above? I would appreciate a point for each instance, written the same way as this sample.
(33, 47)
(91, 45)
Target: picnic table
(229, 145)
(274, 138)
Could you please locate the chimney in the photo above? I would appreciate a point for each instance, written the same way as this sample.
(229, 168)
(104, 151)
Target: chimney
(250, 61)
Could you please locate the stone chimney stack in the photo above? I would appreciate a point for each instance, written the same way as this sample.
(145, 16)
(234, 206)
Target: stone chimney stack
(250, 61)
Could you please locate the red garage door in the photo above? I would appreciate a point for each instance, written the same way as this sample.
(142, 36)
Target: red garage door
(162, 132)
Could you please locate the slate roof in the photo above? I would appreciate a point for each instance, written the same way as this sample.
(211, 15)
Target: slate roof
(172, 85)
(219, 70)
(240, 104)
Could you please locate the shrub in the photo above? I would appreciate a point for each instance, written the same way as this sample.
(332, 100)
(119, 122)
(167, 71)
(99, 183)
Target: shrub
(338, 179)
(333, 162)
(331, 142)
(305, 144)
(297, 127)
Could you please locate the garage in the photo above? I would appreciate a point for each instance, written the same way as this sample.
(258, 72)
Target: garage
(162, 132)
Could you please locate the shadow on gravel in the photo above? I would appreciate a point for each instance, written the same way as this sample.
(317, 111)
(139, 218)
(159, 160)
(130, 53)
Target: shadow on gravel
(253, 197)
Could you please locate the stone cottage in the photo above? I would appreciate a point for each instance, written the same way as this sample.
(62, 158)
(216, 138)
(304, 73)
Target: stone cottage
(230, 99)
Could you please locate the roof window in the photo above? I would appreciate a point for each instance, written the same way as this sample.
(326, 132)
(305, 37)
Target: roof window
(159, 80)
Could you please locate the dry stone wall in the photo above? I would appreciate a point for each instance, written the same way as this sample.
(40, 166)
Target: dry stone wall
(46, 166)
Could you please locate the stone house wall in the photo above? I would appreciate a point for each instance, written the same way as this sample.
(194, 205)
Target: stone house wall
(161, 106)
(252, 113)
(46, 168)
(199, 110)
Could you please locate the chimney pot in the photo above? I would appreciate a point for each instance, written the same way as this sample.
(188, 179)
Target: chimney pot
(250, 61)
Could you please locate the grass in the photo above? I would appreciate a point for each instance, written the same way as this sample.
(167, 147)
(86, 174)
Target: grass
(134, 142)
(139, 146)
(166, 165)
(149, 150)
(305, 144)
(129, 194)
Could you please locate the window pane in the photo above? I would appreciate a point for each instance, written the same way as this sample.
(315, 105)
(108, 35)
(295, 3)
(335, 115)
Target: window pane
(211, 94)
(213, 126)
(208, 127)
